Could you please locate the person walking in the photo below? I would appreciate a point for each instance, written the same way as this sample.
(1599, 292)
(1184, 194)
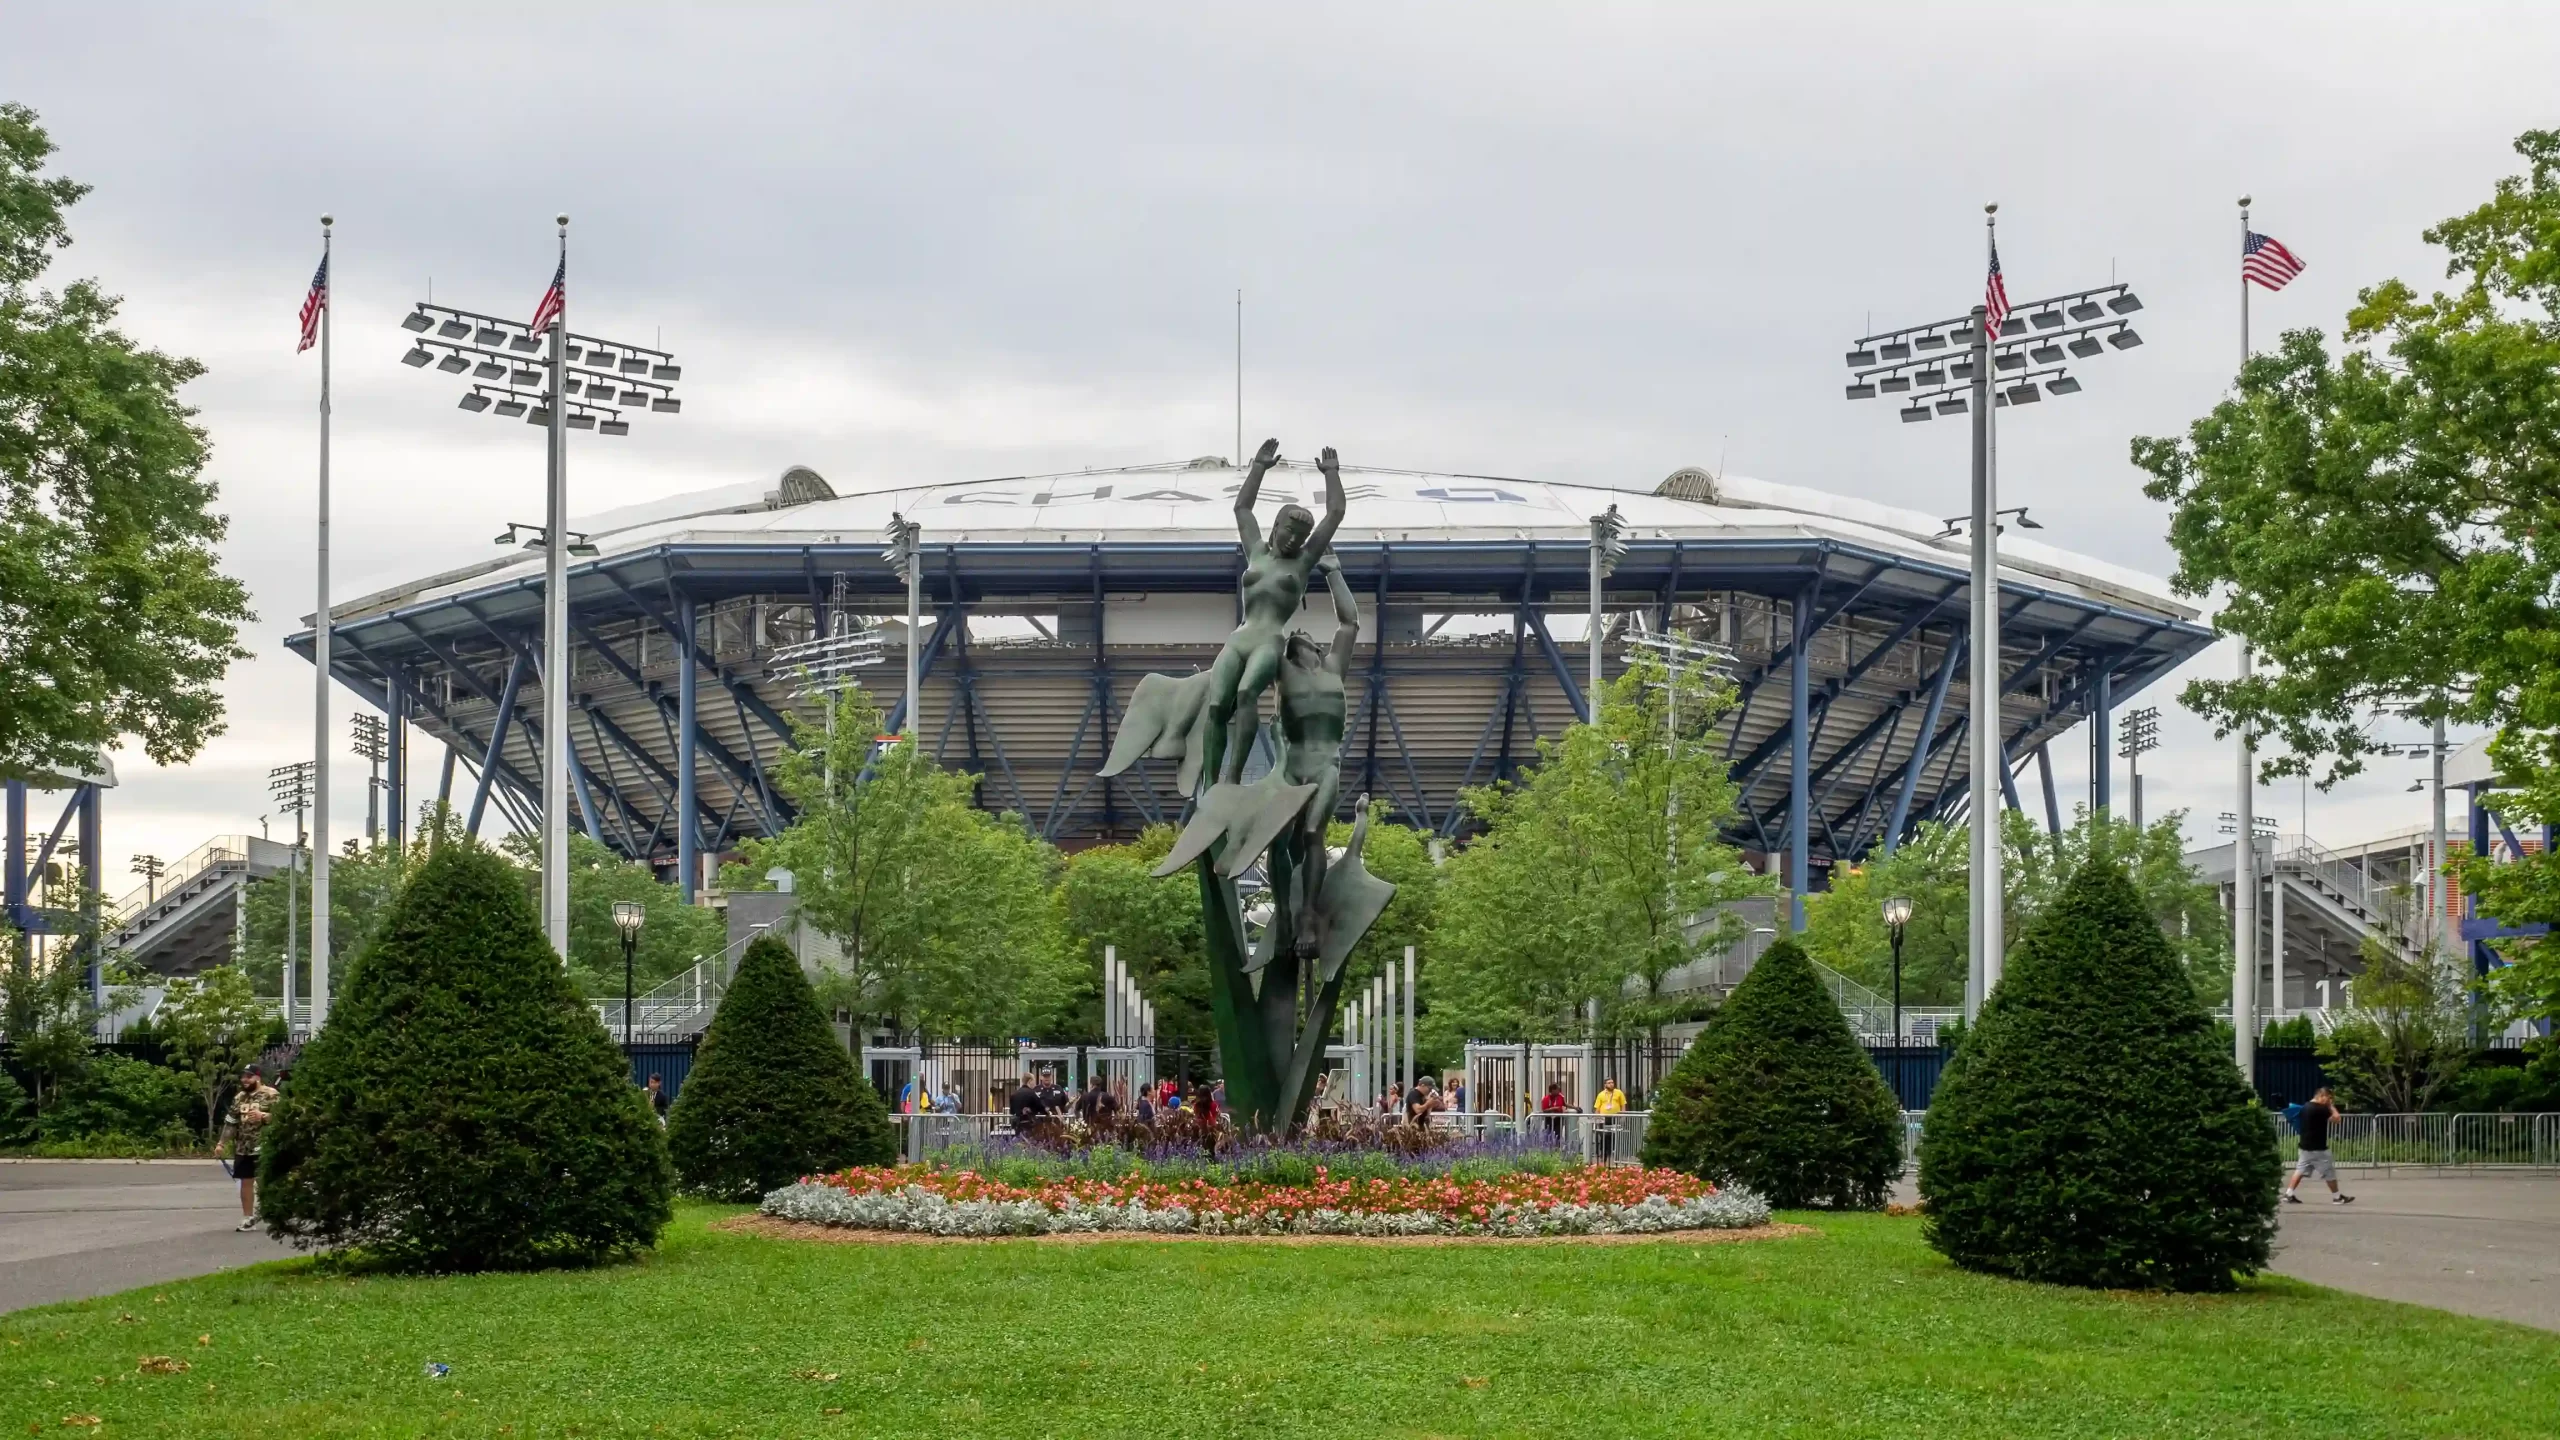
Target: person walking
(2313, 1129)
(1025, 1105)
(240, 1130)
(657, 1091)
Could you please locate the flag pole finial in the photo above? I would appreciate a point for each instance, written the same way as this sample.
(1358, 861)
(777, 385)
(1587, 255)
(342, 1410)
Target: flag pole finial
(562, 219)
(1991, 209)
(328, 220)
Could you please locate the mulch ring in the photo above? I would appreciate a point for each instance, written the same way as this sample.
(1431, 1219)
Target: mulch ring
(775, 1229)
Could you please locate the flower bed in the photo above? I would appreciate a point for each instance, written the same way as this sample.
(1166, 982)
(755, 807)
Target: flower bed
(1597, 1200)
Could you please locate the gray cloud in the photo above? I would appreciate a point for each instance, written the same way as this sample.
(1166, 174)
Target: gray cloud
(1584, 243)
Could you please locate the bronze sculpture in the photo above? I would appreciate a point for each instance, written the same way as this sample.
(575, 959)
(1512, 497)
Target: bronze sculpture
(1275, 1000)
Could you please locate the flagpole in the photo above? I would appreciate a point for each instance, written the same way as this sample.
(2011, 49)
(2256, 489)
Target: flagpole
(555, 638)
(1987, 760)
(320, 678)
(2244, 839)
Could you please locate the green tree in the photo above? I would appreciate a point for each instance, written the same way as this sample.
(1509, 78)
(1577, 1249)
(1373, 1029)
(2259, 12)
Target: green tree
(362, 884)
(1592, 874)
(213, 1027)
(115, 619)
(672, 938)
(2092, 1129)
(121, 1096)
(772, 1095)
(464, 1109)
(1845, 930)
(1107, 895)
(50, 1020)
(2385, 521)
(1778, 1096)
(2404, 1042)
(942, 910)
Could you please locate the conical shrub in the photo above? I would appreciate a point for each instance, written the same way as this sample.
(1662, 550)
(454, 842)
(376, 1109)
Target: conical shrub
(464, 1109)
(2092, 1130)
(1779, 1096)
(772, 1095)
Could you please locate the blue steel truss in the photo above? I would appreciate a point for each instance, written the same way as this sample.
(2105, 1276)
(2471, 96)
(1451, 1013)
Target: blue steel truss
(1844, 734)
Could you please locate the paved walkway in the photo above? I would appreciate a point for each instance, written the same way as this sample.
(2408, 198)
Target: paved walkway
(70, 1229)
(2481, 1243)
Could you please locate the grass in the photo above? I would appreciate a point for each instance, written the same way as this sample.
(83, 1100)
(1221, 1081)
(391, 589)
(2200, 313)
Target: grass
(1857, 1331)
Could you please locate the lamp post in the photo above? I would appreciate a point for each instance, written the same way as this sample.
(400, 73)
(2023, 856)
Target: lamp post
(1897, 913)
(512, 377)
(628, 916)
(903, 550)
(1947, 367)
(371, 742)
(290, 786)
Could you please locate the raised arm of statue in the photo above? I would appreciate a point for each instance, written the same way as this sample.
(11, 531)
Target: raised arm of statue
(1248, 529)
(1331, 465)
(1346, 616)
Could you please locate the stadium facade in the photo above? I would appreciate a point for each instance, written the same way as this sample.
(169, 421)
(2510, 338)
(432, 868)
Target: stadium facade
(1047, 597)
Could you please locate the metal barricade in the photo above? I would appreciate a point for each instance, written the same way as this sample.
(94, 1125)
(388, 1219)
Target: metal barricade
(2507, 1140)
(927, 1134)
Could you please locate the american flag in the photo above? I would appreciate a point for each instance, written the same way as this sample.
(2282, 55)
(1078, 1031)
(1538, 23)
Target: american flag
(552, 299)
(1995, 296)
(2264, 259)
(312, 305)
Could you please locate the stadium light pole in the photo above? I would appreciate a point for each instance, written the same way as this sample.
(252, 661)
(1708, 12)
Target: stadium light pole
(905, 555)
(613, 378)
(291, 787)
(2036, 342)
(1607, 549)
(2141, 737)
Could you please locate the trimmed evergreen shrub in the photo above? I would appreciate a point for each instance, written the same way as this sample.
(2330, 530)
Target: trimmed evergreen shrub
(1779, 1096)
(772, 1095)
(464, 1109)
(123, 1096)
(2093, 1130)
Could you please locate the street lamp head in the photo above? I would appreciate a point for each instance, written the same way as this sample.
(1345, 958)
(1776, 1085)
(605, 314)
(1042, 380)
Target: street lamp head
(1897, 911)
(628, 916)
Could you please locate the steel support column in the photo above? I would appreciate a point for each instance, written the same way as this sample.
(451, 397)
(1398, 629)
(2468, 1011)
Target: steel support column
(1920, 743)
(2052, 802)
(2101, 763)
(496, 756)
(396, 758)
(1800, 761)
(688, 726)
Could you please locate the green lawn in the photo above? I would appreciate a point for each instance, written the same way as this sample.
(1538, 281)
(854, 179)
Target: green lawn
(1858, 1331)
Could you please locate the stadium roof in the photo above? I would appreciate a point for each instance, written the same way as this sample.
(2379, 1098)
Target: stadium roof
(1104, 575)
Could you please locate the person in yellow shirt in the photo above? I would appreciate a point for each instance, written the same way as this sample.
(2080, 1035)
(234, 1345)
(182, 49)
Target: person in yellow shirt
(1609, 1104)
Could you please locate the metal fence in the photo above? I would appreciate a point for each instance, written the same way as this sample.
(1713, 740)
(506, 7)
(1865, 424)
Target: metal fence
(2471, 1140)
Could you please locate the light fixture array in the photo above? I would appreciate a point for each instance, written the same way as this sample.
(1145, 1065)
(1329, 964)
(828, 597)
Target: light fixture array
(1932, 364)
(605, 379)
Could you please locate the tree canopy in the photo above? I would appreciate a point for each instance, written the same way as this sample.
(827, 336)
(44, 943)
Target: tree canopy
(115, 617)
(1588, 881)
(1844, 926)
(942, 910)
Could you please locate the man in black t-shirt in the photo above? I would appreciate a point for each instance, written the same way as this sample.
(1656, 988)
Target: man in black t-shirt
(2313, 1130)
(1025, 1104)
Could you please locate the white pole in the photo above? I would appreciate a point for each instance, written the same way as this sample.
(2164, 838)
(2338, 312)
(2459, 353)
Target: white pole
(320, 683)
(1388, 1013)
(2244, 906)
(2275, 941)
(556, 677)
(908, 549)
(1987, 760)
(1409, 1075)
(2434, 931)
(1594, 695)
(1111, 997)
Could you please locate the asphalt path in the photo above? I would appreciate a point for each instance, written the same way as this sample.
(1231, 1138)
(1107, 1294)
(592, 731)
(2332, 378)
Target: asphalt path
(2477, 1242)
(71, 1229)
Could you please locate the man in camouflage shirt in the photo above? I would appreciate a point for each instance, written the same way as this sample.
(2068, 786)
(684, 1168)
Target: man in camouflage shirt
(240, 1129)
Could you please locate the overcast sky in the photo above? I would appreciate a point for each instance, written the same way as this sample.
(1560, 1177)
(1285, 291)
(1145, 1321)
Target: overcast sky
(1583, 243)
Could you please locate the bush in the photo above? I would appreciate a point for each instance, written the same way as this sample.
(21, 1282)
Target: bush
(121, 1096)
(464, 1109)
(1778, 1096)
(2293, 1034)
(772, 1095)
(2092, 1131)
(17, 1116)
(2491, 1083)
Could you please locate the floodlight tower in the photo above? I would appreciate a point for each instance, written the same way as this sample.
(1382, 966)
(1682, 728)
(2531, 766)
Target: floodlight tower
(290, 787)
(905, 554)
(1949, 367)
(2141, 737)
(612, 379)
(371, 743)
(1607, 549)
(150, 868)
